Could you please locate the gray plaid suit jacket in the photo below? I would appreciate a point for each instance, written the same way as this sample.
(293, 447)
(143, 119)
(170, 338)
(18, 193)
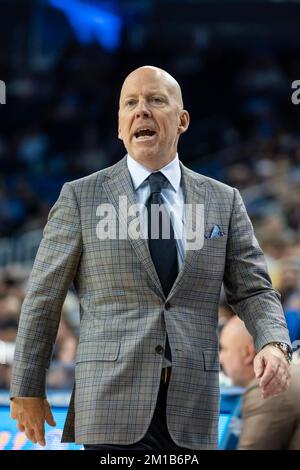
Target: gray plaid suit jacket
(124, 318)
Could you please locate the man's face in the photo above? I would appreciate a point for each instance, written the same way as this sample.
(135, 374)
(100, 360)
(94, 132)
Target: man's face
(231, 357)
(151, 118)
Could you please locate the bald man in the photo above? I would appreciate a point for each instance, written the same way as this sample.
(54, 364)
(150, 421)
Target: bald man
(267, 424)
(147, 363)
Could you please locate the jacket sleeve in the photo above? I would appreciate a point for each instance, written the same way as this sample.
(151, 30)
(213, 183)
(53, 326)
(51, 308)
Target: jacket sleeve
(247, 283)
(54, 269)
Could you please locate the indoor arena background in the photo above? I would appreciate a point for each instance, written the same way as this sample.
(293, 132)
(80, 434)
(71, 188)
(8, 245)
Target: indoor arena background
(61, 66)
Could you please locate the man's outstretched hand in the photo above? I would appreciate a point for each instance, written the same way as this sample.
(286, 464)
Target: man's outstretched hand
(273, 370)
(31, 414)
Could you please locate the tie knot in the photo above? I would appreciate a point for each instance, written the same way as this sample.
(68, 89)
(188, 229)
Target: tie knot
(157, 181)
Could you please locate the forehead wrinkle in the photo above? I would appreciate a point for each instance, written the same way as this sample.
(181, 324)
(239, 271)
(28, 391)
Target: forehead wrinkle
(149, 92)
(170, 83)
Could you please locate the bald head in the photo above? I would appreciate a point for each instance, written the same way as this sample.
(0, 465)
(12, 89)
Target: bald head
(237, 352)
(237, 332)
(158, 74)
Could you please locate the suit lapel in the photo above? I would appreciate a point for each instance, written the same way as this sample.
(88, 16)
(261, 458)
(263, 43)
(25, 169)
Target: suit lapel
(119, 184)
(195, 192)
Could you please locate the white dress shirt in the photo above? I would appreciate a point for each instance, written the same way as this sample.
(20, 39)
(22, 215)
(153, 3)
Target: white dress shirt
(172, 197)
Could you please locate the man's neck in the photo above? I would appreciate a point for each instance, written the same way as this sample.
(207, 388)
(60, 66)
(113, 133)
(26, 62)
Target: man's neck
(154, 164)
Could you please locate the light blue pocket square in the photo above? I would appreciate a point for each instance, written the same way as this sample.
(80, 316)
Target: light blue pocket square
(216, 232)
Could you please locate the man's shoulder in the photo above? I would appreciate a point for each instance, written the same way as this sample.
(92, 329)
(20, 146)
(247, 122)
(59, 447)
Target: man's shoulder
(214, 185)
(92, 179)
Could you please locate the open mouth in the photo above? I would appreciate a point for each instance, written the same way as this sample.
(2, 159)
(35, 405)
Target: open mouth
(144, 134)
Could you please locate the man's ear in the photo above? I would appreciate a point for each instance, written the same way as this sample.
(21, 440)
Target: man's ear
(184, 121)
(119, 134)
(249, 355)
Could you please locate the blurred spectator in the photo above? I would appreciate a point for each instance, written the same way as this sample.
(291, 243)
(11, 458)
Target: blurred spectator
(293, 323)
(65, 332)
(61, 372)
(272, 423)
(289, 285)
(225, 313)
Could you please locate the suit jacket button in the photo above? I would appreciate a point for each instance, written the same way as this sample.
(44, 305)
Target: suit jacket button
(167, 305)
(159, 349)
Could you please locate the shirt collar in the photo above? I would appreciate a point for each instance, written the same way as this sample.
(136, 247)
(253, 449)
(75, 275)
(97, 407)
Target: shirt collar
(139, 172)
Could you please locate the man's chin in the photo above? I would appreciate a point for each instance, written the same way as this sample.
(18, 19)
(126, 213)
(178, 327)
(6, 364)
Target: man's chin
(143, 154)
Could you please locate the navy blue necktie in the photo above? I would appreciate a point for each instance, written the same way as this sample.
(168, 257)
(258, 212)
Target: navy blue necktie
(163, 250)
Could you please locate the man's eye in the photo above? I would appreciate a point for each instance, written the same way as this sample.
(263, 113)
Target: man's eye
(157, 99)
(130, 103)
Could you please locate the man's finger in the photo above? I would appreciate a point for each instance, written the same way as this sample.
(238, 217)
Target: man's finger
(271, 389)
(20, 426)
(278, 384)
(13, 411)
(258, 367)
(30, 434)
(49, 416)
(270, 371)
(40, 434)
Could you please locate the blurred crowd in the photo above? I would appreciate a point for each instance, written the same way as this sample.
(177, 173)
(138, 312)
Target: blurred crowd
(12, 292)
(61, 124)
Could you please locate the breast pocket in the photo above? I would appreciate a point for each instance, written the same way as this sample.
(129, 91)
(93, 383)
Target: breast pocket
(214, 246)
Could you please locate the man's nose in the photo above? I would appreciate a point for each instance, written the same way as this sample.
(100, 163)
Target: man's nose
(142, 110)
